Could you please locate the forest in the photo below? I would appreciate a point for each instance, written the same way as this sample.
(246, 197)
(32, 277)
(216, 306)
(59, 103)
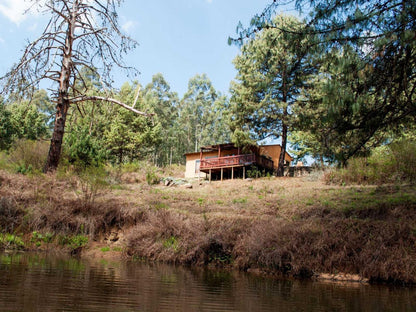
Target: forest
(97, 134)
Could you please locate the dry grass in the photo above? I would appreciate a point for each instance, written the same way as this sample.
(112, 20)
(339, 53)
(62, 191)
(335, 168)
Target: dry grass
(289, 226)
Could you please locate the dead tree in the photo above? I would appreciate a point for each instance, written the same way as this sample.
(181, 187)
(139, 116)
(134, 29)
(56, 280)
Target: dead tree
(80, 33)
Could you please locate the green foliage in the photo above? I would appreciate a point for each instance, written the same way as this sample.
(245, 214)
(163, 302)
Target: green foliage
(6, 128)
(11, 241)
(4, 160)
(203, 115)
(242, 200)
(152, 176)
(21, 120)
(82, 148)
(38, 238)
(28, 122)
(364, 92)
(254, 172)
(387, 164)
(129, 137)
(105, 249)
(160, 100)
(272, 69)
(171, 243)
(73, 242)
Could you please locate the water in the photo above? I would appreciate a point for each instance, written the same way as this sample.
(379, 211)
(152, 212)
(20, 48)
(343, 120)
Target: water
(39, 282)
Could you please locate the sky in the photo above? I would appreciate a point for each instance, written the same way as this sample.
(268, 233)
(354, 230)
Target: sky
(178, 38)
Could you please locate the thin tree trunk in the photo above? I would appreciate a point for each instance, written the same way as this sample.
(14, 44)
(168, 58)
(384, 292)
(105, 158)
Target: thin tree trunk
(58, 135)
(280, 167)
(63, 101)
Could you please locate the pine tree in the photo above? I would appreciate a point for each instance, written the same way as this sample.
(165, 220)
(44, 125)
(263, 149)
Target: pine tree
(271, 74)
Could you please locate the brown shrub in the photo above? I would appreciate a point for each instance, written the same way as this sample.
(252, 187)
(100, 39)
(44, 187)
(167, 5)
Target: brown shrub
(375, 250)
(80, 217)
(170, 237)
(10, 215)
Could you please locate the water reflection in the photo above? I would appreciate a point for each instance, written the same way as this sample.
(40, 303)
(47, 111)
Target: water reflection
(50, 283)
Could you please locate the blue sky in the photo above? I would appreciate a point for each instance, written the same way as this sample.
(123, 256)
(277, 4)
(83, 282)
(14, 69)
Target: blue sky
(178, 38)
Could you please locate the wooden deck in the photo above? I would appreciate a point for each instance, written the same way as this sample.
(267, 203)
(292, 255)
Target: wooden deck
(235, 161)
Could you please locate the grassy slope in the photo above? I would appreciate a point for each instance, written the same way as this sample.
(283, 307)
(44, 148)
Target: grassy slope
(288, 225)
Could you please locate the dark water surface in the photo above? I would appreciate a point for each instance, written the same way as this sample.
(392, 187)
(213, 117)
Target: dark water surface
(37, 282)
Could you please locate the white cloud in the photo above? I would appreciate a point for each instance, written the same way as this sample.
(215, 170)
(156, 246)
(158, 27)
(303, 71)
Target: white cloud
(209, 1)
(14, 9)
(128, 25)
(2, 40)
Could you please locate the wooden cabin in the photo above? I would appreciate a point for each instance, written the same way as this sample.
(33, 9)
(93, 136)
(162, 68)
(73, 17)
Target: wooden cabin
(226, 161)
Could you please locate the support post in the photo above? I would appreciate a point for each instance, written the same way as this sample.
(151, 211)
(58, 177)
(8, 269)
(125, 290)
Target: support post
(232, 173)
(209, 175)
(244, 172)
(222, 173)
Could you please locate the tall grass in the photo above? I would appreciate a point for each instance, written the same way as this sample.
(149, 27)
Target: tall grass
(27, 156)
(393, 163)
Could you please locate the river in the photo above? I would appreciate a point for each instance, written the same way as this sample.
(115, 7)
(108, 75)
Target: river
(40, 282)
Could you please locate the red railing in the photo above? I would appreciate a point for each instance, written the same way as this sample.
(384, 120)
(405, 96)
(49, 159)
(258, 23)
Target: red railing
(238, 160)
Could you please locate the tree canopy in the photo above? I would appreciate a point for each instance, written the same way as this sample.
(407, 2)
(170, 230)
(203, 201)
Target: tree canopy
(272, 71)
(366, 83)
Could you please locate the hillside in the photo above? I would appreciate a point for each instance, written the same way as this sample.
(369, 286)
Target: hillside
(291, 226)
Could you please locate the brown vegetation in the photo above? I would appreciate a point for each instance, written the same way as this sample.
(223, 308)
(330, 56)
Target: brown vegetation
(290, 226)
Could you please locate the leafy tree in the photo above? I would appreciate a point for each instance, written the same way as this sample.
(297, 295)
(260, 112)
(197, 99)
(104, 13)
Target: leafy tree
(6, 128)
(202, 115)
(129, 137)
(160, 100)
(368, 65)
(82, 148)
(19, 120)
(79, 34)
(28, 122)
(271, 75)
(44, 105)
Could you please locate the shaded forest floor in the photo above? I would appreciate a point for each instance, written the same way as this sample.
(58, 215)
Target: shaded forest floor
(291, 226)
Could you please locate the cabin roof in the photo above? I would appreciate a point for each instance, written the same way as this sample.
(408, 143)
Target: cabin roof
(225, 146)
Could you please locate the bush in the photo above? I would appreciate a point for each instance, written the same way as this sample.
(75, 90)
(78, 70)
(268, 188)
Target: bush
(4, 161)
(151, 176)
(387, 164)
(404, 154)
(10, 214)
(91, 181)
(82, 149)
(11, 241)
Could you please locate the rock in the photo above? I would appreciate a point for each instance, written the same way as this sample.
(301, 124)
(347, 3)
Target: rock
(187, 185)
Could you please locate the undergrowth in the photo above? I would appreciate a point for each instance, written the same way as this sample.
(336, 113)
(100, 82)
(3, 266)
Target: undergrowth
(394, 163)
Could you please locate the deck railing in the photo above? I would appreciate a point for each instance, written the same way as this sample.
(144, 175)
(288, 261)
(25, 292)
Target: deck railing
(238, 160)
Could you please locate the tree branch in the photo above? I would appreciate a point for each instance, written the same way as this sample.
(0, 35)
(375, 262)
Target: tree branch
(111, 100)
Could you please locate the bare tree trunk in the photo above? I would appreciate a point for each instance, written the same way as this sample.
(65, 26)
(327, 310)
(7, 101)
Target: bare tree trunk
(58, 135)
(63, 101)
(280, 167)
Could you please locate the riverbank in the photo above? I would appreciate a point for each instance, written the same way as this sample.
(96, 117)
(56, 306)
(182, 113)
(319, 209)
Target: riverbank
(292, 226)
